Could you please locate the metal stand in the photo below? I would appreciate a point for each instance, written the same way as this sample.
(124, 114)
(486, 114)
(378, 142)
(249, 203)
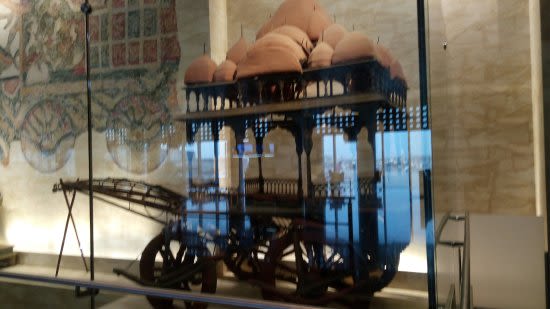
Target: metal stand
(69, 217)
(86, 9)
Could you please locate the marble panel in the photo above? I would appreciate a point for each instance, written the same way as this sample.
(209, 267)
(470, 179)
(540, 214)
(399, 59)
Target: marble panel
(481, 106)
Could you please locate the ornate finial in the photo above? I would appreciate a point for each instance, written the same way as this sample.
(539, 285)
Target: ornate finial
(86, 8)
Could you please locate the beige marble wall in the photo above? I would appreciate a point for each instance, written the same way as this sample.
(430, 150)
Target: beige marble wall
(194, 31)
(545, 32)
(538, 110)
(545, 51)
(218, 29)
(483, 151)
(481, 106)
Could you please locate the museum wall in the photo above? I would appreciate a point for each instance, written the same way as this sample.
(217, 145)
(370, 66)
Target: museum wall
(482, 106)
(136, 72)
(483, 157)
(481, 112)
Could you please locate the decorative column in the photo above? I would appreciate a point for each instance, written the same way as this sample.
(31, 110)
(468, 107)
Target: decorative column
(240, 154)
(239, 128)
(307, 137)
(215, 128)
(190, 132)
(299, 151)
(190, 154)
(368, 236)
(368, 117)
(260, 152)
(356, 200)
(216, 136)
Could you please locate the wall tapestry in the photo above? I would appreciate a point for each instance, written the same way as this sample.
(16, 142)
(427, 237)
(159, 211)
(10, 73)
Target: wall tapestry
(134, 57)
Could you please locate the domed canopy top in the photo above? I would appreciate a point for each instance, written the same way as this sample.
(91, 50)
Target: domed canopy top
(266, 60)
(396, 71)
(318, 22)
(238, 51)
(225, 71)
(384, 56)
(321, 56)
(354, 46)
(307, 15)
(200, 71)
(333, 34)
(297, 34)
(283, 41)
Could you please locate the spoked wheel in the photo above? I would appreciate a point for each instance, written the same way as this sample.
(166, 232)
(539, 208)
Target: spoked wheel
(243, 261)
(172, 265)
(301, 267)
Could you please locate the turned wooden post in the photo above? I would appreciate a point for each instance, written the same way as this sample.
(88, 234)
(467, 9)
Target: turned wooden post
(260, 152)
(216, 136)
(190, 132)
(240, 131)
(299, 150)
(307, 137)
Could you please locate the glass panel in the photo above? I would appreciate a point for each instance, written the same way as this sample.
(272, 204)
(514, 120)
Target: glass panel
(43, 104)
(485, 102)
(291, 172)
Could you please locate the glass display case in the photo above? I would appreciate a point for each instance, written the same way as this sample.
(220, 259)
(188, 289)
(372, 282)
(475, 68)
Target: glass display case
(274, 150)
(247, 153)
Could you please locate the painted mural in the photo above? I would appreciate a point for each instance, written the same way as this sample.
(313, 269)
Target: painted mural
(134, 57)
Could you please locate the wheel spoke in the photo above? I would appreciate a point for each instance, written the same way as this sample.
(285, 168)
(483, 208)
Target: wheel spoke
(179, 256)
(171, 257)
(175, 269)
(288, 253)
(286, 267)
(311, 272)
(240, 259)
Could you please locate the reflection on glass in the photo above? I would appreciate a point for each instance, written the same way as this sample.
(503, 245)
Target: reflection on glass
(294, 162)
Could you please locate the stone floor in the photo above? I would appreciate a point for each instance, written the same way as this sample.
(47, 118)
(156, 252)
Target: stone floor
(405, 292)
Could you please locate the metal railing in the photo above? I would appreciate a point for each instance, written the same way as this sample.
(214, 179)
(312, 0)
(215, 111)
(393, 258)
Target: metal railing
(466, 293)
(466, 287)
(451, 298)
(156, 292)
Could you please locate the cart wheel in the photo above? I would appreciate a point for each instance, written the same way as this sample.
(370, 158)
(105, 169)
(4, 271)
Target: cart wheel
(301, 267)
(172, 258)
(242, 260)
(139, 133)
(47, 137)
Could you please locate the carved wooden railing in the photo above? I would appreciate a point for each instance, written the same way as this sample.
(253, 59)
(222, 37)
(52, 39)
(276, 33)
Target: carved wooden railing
(333, 190)
(281, 186)
(252, 185)
(366, 189)
(367, 186)
(272, 186)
